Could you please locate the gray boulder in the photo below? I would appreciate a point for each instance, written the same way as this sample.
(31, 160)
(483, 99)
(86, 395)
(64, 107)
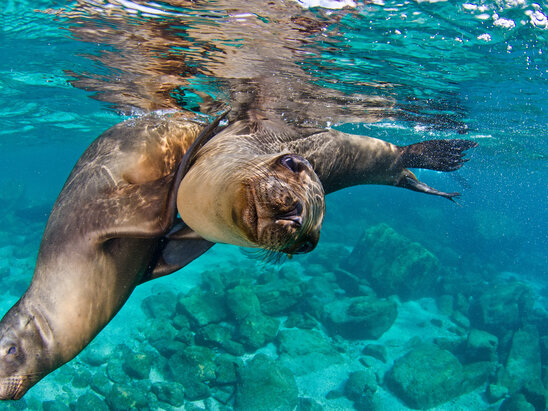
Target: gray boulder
(90, 401)
(172, 393)
(360, 385)
(360, 317)
(481, 346)
(523, 370)
(202, 308)
(242, 302)
(306, 351)
(264, 385)
(523, 365)
(161, 305)
(428, 376)
(502, 308)
(278, 296)
(137, 365)
(126, 397)
(257, 330)
(393, 264)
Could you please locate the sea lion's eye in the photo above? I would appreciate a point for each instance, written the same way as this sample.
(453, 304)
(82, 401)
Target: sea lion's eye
(291, 162)
(12, 350)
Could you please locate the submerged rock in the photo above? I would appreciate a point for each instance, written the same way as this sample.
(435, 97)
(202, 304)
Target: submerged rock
(360, 317)
(523, 364)
(264, 385)
(502, 308)
(257, 330)
(308, 404)
(137, 365)
(278, 296)
(377, 351)
(194, 368)
(160, 305)
(217, 335)
(195, 362)
(172, 393)
(242, 302)
(115, 372)
(517, 402)
(428, 376)
(481, 346)
(100, 383)
(89, 401)
(46, 406)
(318, 292)
(97, 354)
(393, 264)
(305, 351)
(360, 385)
(202, 308)
(226, 367)
(495, 393)
(125, 397)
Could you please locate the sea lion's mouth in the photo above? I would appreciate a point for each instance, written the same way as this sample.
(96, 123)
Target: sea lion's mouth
(294, 216)
(13, 388)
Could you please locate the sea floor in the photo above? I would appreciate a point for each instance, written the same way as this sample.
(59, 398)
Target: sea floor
(321, 331)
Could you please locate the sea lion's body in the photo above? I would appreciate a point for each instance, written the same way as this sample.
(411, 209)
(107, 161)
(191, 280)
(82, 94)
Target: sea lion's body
(257, 183)
(99, 242)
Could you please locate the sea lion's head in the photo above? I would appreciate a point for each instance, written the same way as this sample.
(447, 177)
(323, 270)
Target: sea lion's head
(274, 202)
(282, 205)
(24, 357)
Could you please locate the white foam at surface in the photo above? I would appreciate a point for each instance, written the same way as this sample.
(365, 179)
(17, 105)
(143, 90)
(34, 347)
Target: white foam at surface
(326, 4)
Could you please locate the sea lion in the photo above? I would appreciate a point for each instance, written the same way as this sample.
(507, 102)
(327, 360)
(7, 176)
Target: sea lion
(103, 237)
(257, 183)
(321, 161)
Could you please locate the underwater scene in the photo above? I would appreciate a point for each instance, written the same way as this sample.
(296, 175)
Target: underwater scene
(407, 301)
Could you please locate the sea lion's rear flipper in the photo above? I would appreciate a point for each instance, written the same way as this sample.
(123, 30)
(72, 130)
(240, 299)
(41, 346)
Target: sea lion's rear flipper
(181, 246)
(439, 155)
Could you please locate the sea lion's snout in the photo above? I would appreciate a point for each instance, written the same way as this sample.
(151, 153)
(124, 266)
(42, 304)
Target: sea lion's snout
(24, 356)
(12, 388)
(286, 206)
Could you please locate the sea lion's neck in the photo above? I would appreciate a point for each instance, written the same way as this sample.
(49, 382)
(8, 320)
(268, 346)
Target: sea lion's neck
(212, 192)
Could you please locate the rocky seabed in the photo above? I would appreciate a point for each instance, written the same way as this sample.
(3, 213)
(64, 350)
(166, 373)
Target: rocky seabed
(382, 326)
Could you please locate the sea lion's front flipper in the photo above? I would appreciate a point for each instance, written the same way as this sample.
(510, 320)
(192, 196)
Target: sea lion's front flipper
(181, 246)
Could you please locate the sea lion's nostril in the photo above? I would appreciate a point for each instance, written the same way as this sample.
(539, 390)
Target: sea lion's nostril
(294, 163)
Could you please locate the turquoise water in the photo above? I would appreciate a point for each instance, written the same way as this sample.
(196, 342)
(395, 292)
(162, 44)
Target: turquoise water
(400, 71)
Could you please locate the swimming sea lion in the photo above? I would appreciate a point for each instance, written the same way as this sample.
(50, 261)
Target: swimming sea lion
(102, 238)
(320, 161)
(257, 183)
